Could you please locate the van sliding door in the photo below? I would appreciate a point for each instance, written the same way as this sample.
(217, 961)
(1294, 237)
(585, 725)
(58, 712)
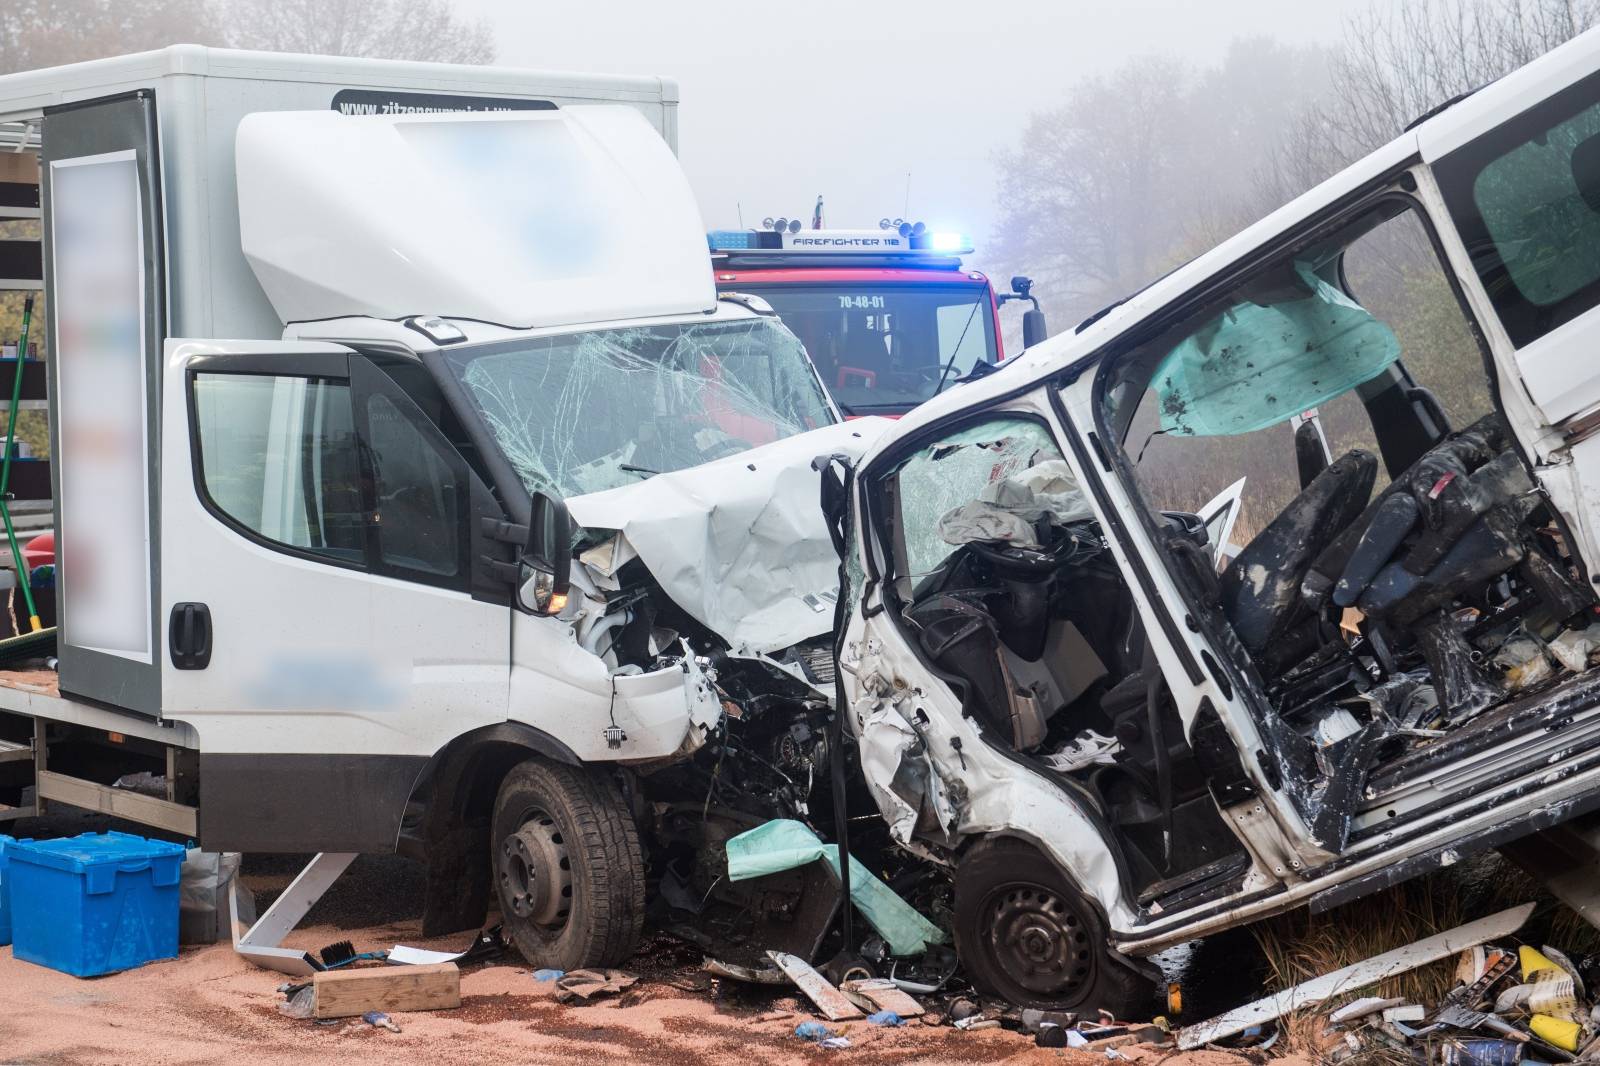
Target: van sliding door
(106, 299)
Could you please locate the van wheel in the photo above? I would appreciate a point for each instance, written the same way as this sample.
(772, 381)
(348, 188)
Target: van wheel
(568, 866)
(1026, 935)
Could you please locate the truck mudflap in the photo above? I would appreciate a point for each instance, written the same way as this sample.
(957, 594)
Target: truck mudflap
(301, 803)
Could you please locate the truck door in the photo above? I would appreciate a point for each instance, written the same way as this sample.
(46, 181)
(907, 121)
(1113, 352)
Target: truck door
(324, 635)
(104, 282)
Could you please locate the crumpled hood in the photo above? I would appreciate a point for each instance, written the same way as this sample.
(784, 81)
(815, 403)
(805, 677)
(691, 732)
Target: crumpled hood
(740, 543)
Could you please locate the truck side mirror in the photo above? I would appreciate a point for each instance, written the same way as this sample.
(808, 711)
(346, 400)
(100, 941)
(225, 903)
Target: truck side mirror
(1033, 328)
(546, 562)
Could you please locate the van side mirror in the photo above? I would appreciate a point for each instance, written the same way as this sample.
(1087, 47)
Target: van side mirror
(546, 564)
(1034, 329)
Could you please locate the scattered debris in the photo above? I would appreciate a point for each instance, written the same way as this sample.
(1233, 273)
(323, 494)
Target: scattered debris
(884, 995)
(379, 1020)
(1506, 1008)
(834, 1004)
(784, 844)
(549, 975)
(1359, 975)
(748, 974)
(886, 1017)
(820, 1035)
(587, 984)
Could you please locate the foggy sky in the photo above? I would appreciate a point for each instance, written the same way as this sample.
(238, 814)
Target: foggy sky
(782, 101)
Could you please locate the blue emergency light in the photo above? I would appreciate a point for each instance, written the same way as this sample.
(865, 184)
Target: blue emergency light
(789, 240)
(744, 240)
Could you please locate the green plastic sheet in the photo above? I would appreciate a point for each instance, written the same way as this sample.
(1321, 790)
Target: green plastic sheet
(1255, 365)
(784, 844)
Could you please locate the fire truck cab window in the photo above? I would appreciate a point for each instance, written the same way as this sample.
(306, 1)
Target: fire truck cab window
(887, 348)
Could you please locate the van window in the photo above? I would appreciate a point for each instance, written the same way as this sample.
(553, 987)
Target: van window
(417, 513)
(1526, 200)
(278, 457)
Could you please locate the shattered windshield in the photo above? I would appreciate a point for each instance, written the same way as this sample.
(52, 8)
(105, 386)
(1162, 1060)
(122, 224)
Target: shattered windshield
(583, 412)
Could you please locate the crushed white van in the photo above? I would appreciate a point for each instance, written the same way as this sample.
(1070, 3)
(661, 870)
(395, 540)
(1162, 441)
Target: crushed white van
(327, 339)
(1123, 731)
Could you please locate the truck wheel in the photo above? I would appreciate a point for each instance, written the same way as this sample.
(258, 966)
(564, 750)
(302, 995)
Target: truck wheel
(568, 866)
(1026, 935)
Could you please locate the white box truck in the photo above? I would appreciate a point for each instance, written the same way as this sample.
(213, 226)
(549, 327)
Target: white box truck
(327, 339)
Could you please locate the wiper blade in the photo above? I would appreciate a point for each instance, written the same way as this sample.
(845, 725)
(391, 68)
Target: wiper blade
(645, 470)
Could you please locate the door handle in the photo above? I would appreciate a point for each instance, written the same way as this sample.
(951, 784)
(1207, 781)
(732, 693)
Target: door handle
(189, 636)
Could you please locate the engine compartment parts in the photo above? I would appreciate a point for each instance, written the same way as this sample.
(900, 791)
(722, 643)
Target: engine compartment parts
(784, 844)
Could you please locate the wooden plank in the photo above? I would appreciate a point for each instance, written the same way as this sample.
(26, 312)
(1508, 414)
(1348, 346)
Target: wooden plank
(19, 166)
(885, 995)
(834, 1004)
(1356, 976)
(146, 810)
(348, 993)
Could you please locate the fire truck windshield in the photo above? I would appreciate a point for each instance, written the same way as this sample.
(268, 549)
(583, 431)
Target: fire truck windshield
(884, 349)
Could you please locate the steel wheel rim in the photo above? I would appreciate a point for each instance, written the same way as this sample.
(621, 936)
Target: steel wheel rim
(535, 872)
(1038, 941)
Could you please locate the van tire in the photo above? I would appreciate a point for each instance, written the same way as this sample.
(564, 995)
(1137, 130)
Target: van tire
(1028, 936)
(567, 866)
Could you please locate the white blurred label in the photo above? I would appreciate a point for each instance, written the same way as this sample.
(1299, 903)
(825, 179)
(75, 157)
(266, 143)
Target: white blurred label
(98, 304)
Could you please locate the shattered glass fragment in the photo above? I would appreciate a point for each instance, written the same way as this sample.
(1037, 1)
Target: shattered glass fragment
(583, 412)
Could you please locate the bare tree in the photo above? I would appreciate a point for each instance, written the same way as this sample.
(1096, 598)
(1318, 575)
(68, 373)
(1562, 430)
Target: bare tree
(1398, 63)
(1139, 170)
(387, 29)
(44, 33)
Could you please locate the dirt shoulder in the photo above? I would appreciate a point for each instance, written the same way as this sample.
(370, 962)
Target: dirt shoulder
(209, 1005)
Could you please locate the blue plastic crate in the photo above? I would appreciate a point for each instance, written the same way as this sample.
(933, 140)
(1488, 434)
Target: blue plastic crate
(5, 895)
(94, 903)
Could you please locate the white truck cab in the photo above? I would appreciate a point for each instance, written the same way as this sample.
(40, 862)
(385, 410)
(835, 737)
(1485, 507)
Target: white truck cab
(327, 338)
(1126, 734)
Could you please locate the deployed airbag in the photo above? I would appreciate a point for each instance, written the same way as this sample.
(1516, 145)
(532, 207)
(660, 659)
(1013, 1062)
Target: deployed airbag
(1255, 365)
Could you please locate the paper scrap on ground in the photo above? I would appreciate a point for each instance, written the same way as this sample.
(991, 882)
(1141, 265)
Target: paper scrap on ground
(405, 956)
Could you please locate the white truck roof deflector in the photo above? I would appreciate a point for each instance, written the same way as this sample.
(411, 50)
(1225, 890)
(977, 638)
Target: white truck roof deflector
(525, 219)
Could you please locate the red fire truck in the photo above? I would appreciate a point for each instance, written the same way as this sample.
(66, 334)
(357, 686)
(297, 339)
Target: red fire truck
(888, 315)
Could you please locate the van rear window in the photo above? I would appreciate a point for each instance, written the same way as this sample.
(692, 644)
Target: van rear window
(1526, 199)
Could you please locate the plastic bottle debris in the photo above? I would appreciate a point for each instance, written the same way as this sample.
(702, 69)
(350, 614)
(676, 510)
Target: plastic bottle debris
(1557, 1032)
(812, 1031)
(1480, 1053)
(379, 1020)
(549, 975)
(299, 1003)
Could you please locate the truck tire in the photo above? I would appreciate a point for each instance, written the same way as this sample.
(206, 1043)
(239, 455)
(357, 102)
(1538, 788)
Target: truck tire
(568, 866)
(1026, 935)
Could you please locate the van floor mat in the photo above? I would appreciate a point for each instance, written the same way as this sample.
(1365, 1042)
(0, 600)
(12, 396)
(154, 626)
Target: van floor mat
(26, 646)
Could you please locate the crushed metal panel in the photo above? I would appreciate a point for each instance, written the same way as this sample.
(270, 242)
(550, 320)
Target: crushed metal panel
(834, 1004)
(740, 543)
(1358, 975)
